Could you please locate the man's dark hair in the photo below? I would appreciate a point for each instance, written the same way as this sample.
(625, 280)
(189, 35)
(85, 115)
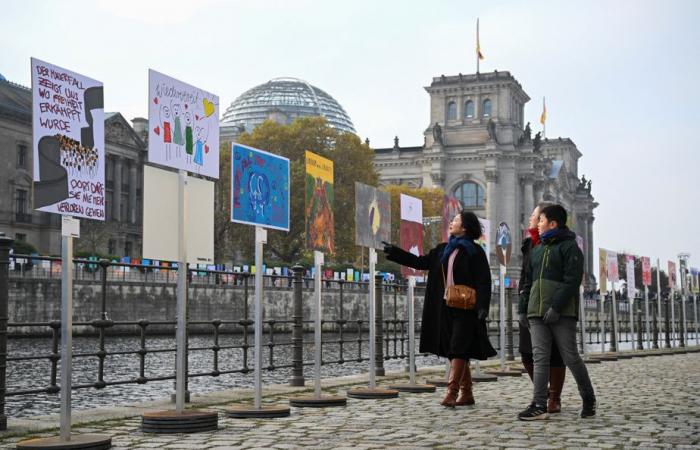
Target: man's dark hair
(556, 213)
(471, 224)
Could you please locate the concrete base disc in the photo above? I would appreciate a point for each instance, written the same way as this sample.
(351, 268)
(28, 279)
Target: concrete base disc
(414, 388)
(505, 373)
(372, 393)
(484, 378)
(439, 382)
(170, 421)
(77, 441)
(311, 401)
(625, 356)
(604, 357)
(264, 412)
(588, 360)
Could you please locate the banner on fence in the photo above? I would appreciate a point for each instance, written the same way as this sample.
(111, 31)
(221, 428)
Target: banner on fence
(631, 286)
(672, 275)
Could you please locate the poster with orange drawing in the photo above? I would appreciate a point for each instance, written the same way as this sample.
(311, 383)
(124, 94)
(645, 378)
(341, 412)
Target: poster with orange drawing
(183, 126)
(318, 201)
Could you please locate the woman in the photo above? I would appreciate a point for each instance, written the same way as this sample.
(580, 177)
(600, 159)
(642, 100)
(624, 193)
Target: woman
(454, 333)
(557, 369)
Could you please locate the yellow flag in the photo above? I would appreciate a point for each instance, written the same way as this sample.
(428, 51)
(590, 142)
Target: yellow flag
(543, 117)
(478, 46)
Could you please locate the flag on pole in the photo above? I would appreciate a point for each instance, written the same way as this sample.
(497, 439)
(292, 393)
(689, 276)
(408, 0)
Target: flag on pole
(543, 117)
(479, 55)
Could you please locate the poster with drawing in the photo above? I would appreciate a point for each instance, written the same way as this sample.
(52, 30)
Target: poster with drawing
(612, 269)
(318, 201)
(183, 126)
(485, 238)
(260, 188)
(672, 275)
(631, 288)
(646, 271)
(68, 142)
(411, 229)
(372, 216)
(450, 208)
(603, 270)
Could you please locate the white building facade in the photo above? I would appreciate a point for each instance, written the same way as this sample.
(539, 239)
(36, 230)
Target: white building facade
(478, 149)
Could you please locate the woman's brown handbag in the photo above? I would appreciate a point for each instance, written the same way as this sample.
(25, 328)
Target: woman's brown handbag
(459, 295)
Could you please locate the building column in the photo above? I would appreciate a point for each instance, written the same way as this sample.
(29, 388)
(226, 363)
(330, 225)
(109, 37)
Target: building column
(528, 196)
(132, 191)
(117, 197)
(491, 199)
(589, 244)
(538, 192)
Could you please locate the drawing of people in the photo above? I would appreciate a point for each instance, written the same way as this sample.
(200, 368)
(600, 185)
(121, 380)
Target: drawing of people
(177, 129)
(189, 143)
(201, 133)
(167, 135)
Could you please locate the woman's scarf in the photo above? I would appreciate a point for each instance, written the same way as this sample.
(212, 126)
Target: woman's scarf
(457, 242)
(534, 236)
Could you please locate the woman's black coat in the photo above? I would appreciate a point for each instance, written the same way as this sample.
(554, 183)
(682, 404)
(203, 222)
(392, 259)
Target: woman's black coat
(445, 331)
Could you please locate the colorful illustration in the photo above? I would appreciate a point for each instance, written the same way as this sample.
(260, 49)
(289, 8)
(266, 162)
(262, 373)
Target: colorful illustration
(611, 264)
(411, 229)
(372, 216)
(646, 271)
(602, 270)
(319, 198)
(631, 288)
(186, 118)
(694, 281)
(485, 239)
(504, 243)
(672, 275)
(68, 135)
(260, 188)
(450, 209)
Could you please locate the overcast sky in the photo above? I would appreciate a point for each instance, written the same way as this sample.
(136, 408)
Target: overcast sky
(620, 77)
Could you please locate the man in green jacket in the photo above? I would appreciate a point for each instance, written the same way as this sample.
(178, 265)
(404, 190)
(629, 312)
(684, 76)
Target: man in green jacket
(549, 304)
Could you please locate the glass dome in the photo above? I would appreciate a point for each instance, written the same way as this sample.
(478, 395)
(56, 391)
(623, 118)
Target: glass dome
(283, 100)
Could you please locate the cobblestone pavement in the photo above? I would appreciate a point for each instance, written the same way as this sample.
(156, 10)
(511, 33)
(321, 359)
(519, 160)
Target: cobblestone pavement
(649, 402)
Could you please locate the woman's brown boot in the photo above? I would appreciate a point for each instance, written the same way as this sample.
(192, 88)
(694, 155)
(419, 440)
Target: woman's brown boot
(466, 397)
(556, 384)
(456, 369)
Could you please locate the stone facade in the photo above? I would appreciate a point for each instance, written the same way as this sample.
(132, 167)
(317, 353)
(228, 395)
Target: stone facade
(477, 148)
(126, 152)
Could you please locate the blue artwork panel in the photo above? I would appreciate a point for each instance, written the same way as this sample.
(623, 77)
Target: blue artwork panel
(259, 188)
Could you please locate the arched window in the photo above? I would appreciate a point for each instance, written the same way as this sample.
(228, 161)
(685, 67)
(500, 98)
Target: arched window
(452, 111)
(468, 109)
(486, 108)
(470, 194)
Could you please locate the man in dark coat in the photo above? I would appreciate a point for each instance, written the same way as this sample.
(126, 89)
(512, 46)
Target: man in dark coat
(454, 333)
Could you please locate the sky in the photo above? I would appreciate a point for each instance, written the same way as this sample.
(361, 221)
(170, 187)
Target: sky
(620, 77)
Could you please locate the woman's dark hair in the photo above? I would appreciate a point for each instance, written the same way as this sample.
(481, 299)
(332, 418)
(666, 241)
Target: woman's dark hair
(556, 213)
(471, 225)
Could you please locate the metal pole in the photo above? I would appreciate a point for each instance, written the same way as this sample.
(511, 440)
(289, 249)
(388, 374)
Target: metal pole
(658, 293)
(372, 294)
(411, 332)
(181, 334)
(646, 315)
(615, 326)
(602, 322)
(509, 327)
(318, 263)
(5, 244)
(695, 310)
(260, 239)
(630, 306)
(66, 334)
(502, 315)
(582, 313)
(672, 299)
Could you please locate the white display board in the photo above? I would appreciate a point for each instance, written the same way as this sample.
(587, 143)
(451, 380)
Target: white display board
(183, 126)
(68, 142)
(160, 223)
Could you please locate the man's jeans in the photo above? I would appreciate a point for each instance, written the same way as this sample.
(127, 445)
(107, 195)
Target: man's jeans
(563, 332)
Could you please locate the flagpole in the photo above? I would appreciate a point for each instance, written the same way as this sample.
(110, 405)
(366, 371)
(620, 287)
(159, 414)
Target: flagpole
(544, 122)
(477, 46)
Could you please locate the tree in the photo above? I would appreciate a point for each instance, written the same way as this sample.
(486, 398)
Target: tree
(353, 161)
(94, 235)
